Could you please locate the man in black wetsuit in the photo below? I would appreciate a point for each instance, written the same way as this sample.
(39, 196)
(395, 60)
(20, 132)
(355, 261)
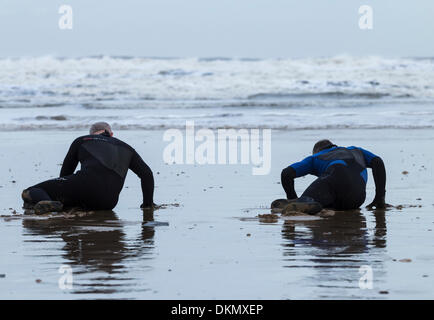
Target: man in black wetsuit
(105, 161)
(341, 182)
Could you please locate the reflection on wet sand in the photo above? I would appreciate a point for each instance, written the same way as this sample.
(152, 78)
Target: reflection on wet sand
(96, 247)
(380, 228)
(335, 247)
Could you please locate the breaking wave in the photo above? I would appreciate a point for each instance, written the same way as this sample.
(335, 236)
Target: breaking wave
(155, 93)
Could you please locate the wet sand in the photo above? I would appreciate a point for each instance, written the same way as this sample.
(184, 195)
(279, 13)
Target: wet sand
(214, 245)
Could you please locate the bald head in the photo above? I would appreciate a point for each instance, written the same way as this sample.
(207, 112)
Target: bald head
(100, 127)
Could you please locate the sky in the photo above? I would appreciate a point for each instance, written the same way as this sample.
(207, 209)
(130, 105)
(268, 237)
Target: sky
(218, 28)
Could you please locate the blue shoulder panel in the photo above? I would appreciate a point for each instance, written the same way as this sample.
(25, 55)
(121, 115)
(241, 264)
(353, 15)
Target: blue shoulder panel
(316, 165)
(303, 167)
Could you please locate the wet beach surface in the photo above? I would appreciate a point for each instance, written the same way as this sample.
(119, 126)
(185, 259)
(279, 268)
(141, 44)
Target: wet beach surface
(213, 244)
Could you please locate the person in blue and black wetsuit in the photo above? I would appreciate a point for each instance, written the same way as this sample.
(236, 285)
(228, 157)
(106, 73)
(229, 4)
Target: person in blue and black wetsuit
(341, 183)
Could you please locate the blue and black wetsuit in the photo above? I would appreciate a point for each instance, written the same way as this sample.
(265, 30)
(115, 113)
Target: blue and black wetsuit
(342, 177)
(104, 165)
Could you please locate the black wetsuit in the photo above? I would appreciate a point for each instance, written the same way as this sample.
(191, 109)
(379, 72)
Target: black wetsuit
(104, 165)
(342, 177)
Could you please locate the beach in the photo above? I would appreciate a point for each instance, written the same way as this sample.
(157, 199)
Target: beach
(208, 242)
(262, 122)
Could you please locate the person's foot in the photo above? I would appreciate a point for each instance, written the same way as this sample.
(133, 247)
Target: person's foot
(29, 211)
(279, 204)
(25, 195)
(304, 205)
(28, 203)
(48, 206)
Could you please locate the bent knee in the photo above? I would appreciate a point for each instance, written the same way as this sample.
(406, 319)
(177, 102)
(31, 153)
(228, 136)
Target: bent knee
(34, 195)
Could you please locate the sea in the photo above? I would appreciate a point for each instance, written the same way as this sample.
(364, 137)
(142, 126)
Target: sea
(148, 93)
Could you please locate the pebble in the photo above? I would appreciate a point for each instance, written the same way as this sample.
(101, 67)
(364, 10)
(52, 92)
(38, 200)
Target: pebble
(268, 216)
(326, 213)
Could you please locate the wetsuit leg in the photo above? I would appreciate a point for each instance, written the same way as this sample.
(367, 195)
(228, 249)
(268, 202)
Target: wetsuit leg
(55, 189)
(88, 190)
(37, 194)
(321, 190)
(340, 187)
(349, 186)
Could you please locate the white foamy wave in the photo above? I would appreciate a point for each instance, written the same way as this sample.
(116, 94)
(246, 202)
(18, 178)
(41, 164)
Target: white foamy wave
(131, 92)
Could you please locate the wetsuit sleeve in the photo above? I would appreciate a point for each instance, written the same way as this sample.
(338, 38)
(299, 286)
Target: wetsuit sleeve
(287, 179)
(303, 167)
(295, 170)
(141, 169)
(379, 173)
(71, 160)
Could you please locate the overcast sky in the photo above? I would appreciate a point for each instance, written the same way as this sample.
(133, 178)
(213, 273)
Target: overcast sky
(218, 28)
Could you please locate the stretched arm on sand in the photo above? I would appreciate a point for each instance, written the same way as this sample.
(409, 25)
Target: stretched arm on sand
(379, 173)
(295, 170)
(142, 170)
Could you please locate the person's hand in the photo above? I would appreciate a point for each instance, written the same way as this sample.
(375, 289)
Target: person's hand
(157, 206)
(378, 203)
(148, 207)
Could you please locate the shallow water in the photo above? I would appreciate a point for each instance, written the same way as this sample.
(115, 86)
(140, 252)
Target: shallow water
(213, 245)
(150, 258)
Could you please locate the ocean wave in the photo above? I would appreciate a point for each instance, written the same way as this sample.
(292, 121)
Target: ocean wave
(326, 94)
(156, 93)
(215, 78)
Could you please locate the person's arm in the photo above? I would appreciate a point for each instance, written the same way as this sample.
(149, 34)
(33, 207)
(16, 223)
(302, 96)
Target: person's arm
(141, 169)
(295, 170)
(71, 160)
(287, 179)
(379, 173)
